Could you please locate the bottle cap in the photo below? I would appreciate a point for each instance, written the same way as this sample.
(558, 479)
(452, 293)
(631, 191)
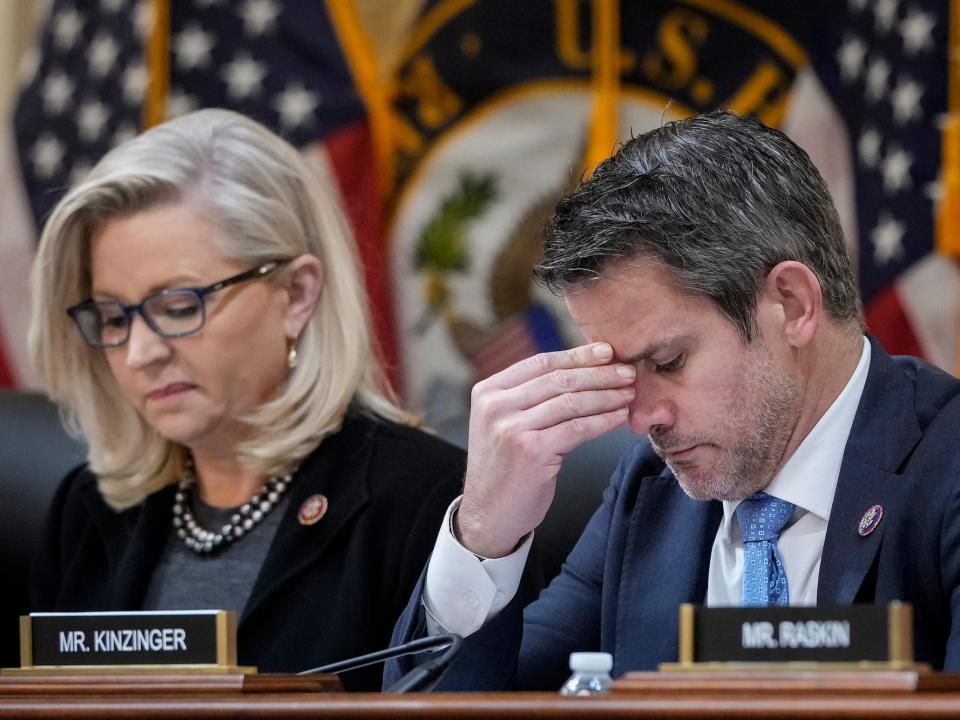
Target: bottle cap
(592, 662)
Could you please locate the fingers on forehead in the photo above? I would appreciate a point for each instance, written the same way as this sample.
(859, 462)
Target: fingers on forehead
(537, 365)
(581, 356)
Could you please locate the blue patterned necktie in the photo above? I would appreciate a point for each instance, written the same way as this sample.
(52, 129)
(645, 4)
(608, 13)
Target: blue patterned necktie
(761, 519)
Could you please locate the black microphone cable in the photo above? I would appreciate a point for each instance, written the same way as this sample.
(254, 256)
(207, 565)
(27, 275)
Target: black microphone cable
(417, 678)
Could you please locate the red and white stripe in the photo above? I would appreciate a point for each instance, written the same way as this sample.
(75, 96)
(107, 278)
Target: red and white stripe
(345, 158)
(510, 343)
(17, 243)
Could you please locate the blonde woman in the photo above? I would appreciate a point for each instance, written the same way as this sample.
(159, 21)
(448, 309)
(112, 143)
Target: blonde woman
(200, 318)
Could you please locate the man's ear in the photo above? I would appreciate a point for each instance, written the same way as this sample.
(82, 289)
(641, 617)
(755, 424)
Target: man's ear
(791, 290)
(304, 285)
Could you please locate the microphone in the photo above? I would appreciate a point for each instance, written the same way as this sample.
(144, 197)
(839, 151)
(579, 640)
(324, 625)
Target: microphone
(425, 675)
(416, 679)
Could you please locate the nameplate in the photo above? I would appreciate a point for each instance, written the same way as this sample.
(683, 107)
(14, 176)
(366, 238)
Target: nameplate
(865, 635)
(195, 638)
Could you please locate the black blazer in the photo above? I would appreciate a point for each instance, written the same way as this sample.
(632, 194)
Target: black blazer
(325, 592)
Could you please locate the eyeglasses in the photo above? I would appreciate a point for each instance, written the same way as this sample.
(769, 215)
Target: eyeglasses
(169, 313)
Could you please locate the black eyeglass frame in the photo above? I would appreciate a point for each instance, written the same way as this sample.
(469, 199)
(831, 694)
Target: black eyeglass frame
(200, 293)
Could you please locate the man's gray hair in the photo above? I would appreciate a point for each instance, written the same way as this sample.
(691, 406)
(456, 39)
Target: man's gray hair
(718, 200)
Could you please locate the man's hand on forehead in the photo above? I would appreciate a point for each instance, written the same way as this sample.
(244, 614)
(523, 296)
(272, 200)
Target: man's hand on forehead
(523, 421)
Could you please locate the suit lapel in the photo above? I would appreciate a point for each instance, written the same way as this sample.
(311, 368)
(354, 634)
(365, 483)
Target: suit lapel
(885, 430)
(666, 562)
(339, 470)
(848, 556)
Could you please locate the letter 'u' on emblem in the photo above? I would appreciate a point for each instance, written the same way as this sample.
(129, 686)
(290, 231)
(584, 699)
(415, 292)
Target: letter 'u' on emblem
(871, 518)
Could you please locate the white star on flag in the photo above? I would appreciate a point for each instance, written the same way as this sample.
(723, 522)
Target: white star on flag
(91, 119)
(46, 155)
(896, 170)
(259, 16)
(850, 57)
(56, 91)
(885, 12)
(887, 238)
(67, 26)
(192, 47)
(916, 29)
(905, 99)
(877, 75)
(103, 55)
(244, 77)
(295, 105)
(134, 83)
(869, 147)
(179, 103)
(934, 191)
(143, 18)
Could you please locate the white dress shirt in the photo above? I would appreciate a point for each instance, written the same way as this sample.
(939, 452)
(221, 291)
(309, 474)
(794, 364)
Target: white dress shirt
(808, 480)
(463, 591)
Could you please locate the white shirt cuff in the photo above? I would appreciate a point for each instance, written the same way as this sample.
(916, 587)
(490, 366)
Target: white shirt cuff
(463, 591)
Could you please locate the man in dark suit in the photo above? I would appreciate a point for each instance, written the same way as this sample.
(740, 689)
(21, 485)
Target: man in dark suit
(788, 458)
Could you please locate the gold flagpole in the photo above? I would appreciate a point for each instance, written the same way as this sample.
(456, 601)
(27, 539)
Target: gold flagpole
(158, 66)
(948, 220)
(605, 53)
(364, 63)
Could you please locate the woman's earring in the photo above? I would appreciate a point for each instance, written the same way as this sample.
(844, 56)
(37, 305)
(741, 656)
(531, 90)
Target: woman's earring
(292, 353)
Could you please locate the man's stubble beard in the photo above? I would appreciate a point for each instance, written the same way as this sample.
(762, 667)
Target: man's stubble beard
(748, 461)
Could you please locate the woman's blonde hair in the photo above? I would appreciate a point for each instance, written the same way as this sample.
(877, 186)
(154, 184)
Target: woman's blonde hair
(267, 202)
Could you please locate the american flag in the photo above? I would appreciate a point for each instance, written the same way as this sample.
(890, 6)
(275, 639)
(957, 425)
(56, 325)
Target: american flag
(885, 64)
(516, 338)
(281, 63)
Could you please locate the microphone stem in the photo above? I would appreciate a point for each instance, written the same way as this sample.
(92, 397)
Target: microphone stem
(415, 646)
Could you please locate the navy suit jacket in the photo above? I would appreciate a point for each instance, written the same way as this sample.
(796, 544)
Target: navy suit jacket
(647, 549)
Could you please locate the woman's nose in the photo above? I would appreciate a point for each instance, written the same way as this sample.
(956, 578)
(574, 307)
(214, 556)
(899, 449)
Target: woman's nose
(144, 346)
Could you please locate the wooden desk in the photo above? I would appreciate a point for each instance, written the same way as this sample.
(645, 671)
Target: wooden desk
(747, 695)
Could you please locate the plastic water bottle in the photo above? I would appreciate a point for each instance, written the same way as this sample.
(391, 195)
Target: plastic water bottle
(591, 674)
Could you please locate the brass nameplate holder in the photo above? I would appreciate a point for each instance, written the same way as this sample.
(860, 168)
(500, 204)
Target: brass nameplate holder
(198, 640)
(867, 637)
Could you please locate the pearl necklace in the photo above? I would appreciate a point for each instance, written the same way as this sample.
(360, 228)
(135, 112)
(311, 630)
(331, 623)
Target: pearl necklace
(247, 516)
